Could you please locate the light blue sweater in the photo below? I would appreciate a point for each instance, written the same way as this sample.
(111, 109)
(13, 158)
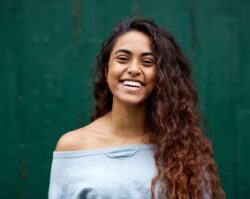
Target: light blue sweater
(121, 172)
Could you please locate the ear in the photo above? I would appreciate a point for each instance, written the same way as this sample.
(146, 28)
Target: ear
(106, 72)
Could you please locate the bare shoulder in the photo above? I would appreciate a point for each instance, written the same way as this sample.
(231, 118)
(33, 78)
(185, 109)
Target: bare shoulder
(81, 139)
(72, 140)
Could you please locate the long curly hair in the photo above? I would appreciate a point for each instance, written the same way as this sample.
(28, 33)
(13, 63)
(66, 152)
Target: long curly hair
(186, 168)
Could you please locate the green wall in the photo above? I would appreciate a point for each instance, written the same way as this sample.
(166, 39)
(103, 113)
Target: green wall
(47, 52)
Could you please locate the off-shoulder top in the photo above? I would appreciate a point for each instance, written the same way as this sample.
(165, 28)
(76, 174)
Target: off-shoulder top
(121, 172)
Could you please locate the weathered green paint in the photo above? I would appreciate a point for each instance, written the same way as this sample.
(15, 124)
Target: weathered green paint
(47, 52)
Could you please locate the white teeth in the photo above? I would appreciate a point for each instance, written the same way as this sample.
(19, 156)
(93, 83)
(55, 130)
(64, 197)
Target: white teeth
(132, 83)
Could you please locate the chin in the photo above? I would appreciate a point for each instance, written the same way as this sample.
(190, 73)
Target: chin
(132, 101)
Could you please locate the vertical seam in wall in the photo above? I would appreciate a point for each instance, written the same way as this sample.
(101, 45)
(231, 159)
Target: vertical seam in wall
(76, 19)
(192, 20)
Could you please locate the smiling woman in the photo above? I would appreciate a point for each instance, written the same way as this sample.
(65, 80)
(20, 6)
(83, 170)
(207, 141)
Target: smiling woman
(145, 139)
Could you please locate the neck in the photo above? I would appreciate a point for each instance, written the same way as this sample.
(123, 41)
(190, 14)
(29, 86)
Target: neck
(127, 120)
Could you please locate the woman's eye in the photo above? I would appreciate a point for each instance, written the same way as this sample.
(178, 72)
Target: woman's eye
(122, 59)
(148, 62)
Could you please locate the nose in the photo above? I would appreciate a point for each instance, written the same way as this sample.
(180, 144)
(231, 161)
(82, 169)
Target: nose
(134, 68)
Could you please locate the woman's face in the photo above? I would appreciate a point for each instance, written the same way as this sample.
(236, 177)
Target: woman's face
(131, 70)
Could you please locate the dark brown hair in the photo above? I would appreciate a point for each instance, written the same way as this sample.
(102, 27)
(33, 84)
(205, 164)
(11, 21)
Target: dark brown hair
(184, 159)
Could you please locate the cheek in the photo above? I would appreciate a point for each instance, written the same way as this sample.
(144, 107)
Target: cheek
(114, 71)
(112, 76)
(151, 76)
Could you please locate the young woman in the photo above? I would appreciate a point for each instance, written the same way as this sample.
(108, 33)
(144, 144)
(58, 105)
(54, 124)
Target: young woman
(145, 140)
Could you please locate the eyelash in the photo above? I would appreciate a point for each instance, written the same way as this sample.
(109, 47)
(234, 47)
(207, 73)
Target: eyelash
(122, 59)
(148, 62)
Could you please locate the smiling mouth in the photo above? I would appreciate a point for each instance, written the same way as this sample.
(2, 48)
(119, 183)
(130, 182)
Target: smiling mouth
(132, 83)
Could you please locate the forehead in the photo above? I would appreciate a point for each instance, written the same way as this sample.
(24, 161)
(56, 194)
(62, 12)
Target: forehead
(135, 41)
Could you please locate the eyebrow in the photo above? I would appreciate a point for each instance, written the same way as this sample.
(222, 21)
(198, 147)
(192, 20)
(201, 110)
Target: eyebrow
(130, 53)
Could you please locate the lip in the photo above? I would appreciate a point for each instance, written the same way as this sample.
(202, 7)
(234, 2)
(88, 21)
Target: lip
(135, 80)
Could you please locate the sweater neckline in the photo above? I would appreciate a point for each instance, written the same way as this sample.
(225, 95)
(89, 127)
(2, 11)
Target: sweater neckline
(120, 151)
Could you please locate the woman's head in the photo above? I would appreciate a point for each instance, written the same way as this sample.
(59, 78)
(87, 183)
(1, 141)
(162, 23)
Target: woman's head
(131, 71)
